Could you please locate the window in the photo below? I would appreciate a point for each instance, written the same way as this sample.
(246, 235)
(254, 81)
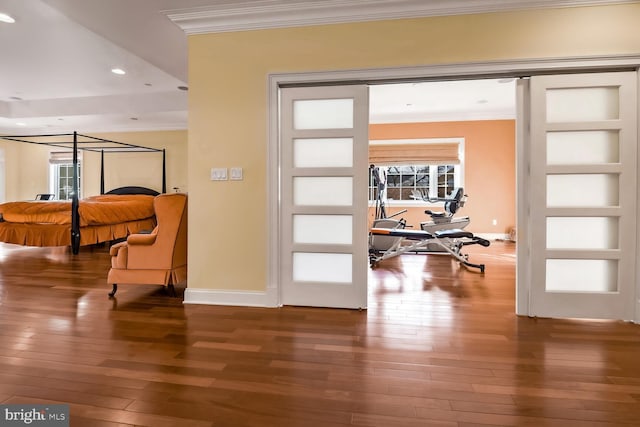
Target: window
(403, 180)
(432, 166)
(446, 180)
(61, 175)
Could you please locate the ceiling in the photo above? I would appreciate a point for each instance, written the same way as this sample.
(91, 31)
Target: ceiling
(56, 74)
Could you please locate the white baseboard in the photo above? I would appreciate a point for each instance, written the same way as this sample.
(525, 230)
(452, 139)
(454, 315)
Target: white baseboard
(223, 297)
(493, 236)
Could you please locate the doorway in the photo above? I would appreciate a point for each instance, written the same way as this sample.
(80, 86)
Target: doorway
(434, 138)
(524, 204)
(423, 119)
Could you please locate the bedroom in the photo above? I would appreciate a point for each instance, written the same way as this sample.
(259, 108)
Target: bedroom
(28, 166)
(106, 213)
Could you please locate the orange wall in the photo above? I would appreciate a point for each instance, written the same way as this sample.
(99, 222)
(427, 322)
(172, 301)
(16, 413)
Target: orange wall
(489, 169)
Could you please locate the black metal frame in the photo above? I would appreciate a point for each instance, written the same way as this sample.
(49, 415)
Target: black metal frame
(86, 143)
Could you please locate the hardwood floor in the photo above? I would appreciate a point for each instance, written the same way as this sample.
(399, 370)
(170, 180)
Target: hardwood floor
(439, 346)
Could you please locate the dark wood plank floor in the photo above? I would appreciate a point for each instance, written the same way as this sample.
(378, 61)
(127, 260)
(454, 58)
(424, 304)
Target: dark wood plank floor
(438, 346)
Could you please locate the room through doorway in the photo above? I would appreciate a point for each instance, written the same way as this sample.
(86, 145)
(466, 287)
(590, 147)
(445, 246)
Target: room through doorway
(414, 125)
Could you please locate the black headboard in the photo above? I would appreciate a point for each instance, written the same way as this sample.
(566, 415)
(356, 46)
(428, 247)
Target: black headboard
(133, 190)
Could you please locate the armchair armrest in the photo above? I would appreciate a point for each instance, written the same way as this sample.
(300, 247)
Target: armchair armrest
(141, 239)
(119, 254)
(113, 250)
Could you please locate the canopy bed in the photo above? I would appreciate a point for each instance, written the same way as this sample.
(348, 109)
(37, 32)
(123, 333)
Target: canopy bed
(105, 217)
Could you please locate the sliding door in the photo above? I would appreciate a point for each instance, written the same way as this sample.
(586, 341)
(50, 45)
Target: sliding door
(583, 177)
(323, 198)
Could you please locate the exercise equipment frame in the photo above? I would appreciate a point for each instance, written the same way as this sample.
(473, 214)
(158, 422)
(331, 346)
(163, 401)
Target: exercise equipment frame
(450, 241)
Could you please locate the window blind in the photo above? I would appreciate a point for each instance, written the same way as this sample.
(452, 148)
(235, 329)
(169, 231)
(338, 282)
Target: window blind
(62, 157)
(398, 153)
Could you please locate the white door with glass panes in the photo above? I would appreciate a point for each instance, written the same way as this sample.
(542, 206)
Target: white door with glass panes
(583, 176)
(323, 196)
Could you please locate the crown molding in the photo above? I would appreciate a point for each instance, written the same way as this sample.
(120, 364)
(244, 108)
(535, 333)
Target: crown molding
(264, 14)
(90, 105)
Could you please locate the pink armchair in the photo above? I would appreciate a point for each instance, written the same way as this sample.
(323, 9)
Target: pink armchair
(156, 258)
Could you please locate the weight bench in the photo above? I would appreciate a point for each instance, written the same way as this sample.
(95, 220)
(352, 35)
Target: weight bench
(450, 241)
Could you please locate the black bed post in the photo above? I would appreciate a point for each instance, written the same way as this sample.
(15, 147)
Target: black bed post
(75, 215)
(164, 171)
(101, 171)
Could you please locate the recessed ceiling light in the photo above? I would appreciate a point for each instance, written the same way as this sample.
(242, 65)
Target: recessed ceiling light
(133, 118)
(183, 88)
(6, 18)
(21, 124)
(118, 71)
(482, 101)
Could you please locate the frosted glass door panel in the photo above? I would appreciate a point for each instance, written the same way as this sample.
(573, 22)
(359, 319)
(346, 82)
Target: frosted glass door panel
(323, 153)
(582, 104)
(323, 114)
(323, 229)
(322, 267)
(582, 190)
(582, 275)
(582, 233)
(583, 147)
(323, 191)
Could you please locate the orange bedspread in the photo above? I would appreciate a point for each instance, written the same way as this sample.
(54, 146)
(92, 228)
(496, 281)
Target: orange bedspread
(96, 210)
(102, 218)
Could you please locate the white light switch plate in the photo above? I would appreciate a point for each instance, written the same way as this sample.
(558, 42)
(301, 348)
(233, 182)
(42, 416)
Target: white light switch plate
(236, 174)
(218, 174)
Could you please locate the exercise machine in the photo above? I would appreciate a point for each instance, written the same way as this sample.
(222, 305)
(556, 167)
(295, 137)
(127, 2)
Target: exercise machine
(389, 238)
(450, 241)
(444, 220)
(379, 244)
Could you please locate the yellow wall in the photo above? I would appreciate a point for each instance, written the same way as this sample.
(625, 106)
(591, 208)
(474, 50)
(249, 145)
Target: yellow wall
(144, 169)
(23, 178)
(228, 103)
(489, 169)
(27, 171)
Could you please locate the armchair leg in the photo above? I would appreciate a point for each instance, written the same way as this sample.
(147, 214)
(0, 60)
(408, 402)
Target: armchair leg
(113, 291)
(172, 290)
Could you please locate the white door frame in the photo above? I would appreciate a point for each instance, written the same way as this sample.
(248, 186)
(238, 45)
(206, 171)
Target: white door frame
(3, 173)
(468, 70)
(637, 305)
